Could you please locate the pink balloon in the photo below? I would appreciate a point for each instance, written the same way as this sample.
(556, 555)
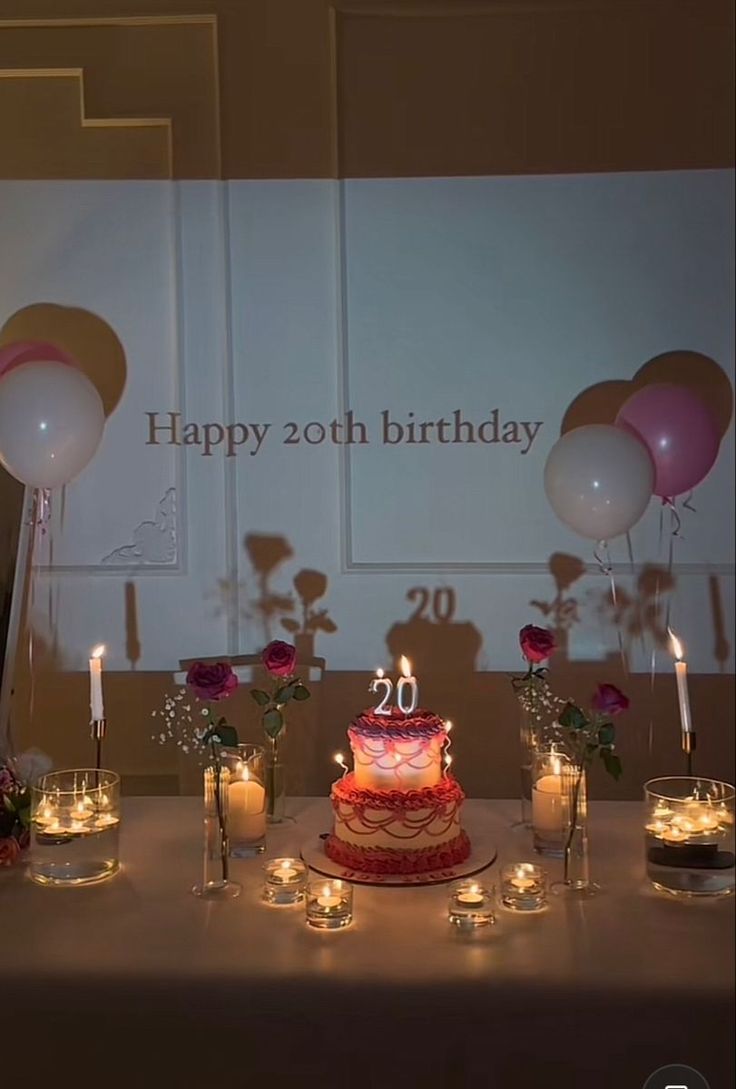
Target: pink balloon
(679, 432)
(31, 351)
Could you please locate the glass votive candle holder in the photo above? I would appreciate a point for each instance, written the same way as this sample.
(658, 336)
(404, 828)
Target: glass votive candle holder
(523, 887)
(75, 827)
(286, 880)
(470, 905)
(689, 836)
(329, 904)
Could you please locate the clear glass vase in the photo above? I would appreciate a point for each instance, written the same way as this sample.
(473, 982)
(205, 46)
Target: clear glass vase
(527, 742)
(216, 883)
(576, 860)
(276, 776)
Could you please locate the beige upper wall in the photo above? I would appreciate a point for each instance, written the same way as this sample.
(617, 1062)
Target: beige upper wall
(309, 88)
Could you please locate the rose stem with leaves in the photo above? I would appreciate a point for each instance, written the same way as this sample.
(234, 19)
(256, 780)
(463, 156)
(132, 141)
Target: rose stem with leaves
(224, 846)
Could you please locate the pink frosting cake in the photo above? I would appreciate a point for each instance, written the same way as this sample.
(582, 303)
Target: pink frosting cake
(398, 812)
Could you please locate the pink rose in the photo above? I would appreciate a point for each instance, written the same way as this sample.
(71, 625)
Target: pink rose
(279, 658)
(609, 700)
(537, 644)
(212, 682)
(9, 851)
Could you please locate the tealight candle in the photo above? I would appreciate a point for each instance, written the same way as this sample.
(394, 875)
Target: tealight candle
(80, 811)
(673, 834)
(329, 904)
(286, 880)
(523, 887)
(470, 905)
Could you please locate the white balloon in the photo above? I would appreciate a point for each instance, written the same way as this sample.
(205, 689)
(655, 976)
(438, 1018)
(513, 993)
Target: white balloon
(599, 480)
(51, 423)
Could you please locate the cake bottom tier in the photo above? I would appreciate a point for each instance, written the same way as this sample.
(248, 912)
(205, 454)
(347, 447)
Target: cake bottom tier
(393, 860)
(394, 831)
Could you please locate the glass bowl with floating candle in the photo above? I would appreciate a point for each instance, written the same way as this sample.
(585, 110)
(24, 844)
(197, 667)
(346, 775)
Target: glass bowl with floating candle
(329, 904)
(689, 836)
(75, 827)
(523, 887)
(285, 881)
(470, 904)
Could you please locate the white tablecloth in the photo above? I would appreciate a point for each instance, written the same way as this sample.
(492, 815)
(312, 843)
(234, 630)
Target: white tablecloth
(137, 982)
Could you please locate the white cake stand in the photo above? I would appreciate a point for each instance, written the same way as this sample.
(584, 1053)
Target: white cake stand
(482, 854)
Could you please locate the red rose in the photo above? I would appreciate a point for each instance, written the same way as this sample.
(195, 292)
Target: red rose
(9, 851)
(279, 658)
(609, 700)
(537, 644)
(212, 682)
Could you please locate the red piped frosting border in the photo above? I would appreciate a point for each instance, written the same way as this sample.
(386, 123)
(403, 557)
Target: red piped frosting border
(398, 725)
(447, 792)
(390, 860)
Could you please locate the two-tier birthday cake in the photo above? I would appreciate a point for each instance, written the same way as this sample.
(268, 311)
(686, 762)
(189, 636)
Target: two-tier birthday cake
(398, 811)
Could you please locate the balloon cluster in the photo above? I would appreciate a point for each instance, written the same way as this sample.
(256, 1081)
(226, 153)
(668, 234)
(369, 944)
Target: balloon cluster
(51, 415)
(599, 478)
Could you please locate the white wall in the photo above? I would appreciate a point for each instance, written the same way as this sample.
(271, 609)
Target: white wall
(270, 302)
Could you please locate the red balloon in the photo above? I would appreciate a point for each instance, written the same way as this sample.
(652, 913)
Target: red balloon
(678, 430)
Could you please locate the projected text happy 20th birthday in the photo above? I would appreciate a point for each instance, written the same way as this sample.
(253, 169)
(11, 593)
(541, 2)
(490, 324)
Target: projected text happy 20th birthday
(389, 429)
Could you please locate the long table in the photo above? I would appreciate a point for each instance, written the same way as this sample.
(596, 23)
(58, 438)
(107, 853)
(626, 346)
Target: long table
(137, 982)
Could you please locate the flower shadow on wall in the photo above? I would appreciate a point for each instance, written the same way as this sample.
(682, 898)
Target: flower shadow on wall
(562, 612)
(266, 554)
(642, 614)
(310, 586)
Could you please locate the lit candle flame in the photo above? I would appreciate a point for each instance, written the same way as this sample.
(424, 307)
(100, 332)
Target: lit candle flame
(380, 673)
(676, 645)
(448, 760)
(98, 651)
(340, 759)
(448, 725)
(556, 765)
(405, 666)
(246, 773)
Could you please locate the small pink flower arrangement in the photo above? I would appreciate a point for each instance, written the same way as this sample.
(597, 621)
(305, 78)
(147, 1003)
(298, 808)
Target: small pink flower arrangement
(15, 815)
(279, 658)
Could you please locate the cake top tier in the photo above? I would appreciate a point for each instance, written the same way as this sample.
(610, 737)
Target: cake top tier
(398, 725)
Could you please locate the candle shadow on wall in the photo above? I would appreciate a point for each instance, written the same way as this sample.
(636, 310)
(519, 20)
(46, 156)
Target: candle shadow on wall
(721, 645)
(133, 648)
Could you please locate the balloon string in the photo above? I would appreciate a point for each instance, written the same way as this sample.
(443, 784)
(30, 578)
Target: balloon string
(40, 515)
(687, 504)
(675, 520)
(603, 558)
